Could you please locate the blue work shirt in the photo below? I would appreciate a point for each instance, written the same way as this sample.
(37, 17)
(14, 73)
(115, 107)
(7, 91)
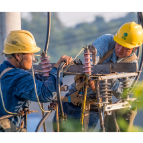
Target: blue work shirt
(18, 88)
(103, 44)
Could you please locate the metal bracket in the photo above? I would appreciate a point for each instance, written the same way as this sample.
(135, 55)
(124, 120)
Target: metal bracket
(116, 106)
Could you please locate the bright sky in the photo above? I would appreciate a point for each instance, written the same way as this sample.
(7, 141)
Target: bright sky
(73, 18)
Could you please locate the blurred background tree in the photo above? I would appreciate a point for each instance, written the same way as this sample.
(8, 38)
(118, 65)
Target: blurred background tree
(69, 40)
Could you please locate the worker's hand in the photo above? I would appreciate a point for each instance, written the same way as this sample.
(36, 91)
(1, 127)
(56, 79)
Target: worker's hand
(91, 83)
(64, 58)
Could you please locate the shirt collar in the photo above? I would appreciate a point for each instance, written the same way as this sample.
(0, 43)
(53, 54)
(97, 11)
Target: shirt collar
(7, 64)
(114, 57)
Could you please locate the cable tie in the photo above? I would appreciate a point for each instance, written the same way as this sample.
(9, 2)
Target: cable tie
(69, 99)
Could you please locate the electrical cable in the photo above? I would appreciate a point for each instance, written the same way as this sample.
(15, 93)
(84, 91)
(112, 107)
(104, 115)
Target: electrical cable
(3, 101)
(58, 89)
(73, 59)
(36, 88)
(43, 120)
(45, 52)
(46, 47)
(140, 21)
(48, 31)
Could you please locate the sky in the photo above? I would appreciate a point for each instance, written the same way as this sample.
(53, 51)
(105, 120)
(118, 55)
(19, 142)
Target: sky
(70, 19)
(73, 18)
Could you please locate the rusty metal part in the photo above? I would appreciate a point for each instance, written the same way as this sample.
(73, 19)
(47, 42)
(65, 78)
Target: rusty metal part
(106, 68)
(53, 105)
(64, 88)
(26, 111)
(21, 113)
(117, 75)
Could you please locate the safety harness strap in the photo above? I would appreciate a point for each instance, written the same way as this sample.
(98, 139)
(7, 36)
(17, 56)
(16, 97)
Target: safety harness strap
(6, 125)
(127, 60)
(130, 59)
(106, 56)
(4, 71)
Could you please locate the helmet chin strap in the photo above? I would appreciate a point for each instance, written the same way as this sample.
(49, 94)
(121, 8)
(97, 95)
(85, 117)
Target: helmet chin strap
(17, 60)
(133, 50)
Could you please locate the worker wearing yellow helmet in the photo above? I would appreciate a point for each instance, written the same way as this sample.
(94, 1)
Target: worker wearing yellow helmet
(17, 84)
(119, 48)
(128, 37)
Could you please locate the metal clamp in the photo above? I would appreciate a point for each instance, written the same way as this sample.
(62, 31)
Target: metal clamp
(116, 106)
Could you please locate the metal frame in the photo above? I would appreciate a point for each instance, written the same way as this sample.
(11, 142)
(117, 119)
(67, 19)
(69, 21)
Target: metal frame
(103, 72)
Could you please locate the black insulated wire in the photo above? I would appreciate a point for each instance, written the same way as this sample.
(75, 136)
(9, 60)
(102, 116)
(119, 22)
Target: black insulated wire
(42, 121)
(140, 21)
(58, 98)
(45, 50)
(58, 89)
(48, 31)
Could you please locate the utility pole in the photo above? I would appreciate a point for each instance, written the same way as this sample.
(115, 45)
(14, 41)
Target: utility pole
(8, 21)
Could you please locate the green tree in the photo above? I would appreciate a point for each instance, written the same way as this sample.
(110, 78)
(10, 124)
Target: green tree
(69, 40)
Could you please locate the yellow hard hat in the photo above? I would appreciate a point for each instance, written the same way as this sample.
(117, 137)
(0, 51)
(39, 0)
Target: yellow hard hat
(20, 41)
(130, 35)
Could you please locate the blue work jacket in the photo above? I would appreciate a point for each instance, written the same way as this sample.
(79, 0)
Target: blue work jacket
(103, 44)
(18, 88)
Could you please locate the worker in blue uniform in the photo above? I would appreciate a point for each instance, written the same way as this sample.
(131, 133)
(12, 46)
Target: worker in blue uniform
(116, 49)
(17, 85)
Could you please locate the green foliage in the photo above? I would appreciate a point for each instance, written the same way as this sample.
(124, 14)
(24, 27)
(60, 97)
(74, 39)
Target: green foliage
(137, 105)
(69, 41)
(138, 93)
